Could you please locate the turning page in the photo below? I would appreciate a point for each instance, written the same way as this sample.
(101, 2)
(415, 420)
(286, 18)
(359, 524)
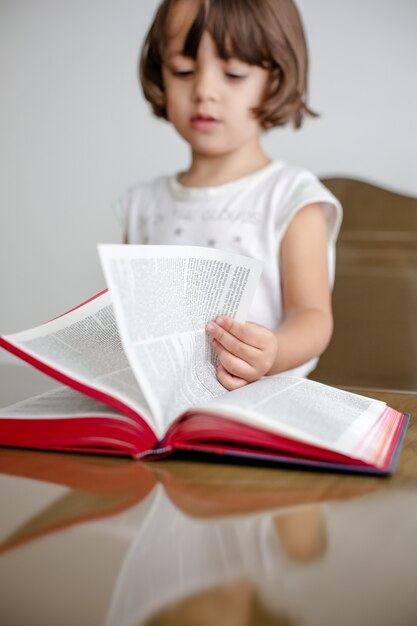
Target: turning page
(163, 297)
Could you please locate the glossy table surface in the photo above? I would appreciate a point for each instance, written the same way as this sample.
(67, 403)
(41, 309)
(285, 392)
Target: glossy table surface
(98, 541)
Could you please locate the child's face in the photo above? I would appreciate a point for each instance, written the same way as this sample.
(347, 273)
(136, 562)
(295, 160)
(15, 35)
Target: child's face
(209, 100)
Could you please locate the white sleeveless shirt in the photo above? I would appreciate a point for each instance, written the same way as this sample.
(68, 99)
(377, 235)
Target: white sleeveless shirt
(248, 216)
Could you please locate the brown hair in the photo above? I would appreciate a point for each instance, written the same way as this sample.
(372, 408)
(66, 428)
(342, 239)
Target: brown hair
(268, 33)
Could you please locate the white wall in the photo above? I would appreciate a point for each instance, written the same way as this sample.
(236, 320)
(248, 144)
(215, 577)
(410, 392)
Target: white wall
(75, 131)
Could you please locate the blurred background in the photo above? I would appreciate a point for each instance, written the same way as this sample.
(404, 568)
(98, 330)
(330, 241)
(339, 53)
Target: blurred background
(76, 132)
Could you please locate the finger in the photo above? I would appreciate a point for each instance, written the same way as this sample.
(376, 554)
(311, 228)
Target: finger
(232, 344)
(227, 380)
(233, 364)
(248, 332)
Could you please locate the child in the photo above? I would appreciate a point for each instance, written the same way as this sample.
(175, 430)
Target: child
(222, 72)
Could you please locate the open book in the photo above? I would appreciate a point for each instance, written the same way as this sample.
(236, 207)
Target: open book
(140, 357)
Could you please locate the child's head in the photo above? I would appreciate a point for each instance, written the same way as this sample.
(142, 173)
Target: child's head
(264, 33)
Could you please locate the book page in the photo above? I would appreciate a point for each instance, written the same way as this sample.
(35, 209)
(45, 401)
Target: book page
(302, 409)
(84, 344)
(58, 403)
(163, 297)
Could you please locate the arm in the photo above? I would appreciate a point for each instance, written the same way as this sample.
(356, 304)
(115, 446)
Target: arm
(248, 351)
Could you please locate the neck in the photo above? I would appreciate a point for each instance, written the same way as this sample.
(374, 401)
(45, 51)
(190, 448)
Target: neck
(211, 171)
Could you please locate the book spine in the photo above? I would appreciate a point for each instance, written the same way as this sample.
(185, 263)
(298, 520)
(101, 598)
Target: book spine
(155, 453)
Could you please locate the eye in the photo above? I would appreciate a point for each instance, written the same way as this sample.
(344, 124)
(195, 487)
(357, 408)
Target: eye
(234, 76)
(182, 73)
(235, 70)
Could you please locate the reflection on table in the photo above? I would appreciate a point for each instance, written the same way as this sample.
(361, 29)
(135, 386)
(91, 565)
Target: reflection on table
(93, 540)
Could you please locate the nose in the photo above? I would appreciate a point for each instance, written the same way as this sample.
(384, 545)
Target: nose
(206, 85)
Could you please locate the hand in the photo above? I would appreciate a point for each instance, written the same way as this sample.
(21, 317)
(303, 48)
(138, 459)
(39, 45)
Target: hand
(245, 351)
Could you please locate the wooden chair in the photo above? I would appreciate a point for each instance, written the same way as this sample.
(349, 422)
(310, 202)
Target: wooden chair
(375, 296)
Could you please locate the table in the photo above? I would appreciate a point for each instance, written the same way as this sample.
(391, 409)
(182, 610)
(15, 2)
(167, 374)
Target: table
(98, 541)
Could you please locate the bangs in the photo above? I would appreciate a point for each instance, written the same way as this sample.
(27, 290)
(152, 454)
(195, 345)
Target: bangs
(234, 29)
(266, 33)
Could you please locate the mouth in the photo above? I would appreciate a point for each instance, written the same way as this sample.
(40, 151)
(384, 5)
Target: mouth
(204, 121)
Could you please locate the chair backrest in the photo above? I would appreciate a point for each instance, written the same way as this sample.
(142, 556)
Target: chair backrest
(374, 343)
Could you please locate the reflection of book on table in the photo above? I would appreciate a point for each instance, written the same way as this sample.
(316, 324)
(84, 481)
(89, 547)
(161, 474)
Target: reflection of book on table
(347, 546)
(95, 488)
(173, 545)
(142, 360)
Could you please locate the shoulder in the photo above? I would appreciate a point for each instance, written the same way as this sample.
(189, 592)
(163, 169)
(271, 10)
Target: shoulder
(291, 185)
(138, 203)
(147, 189)
(296, 182)
(296, 188)
(139, 195)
